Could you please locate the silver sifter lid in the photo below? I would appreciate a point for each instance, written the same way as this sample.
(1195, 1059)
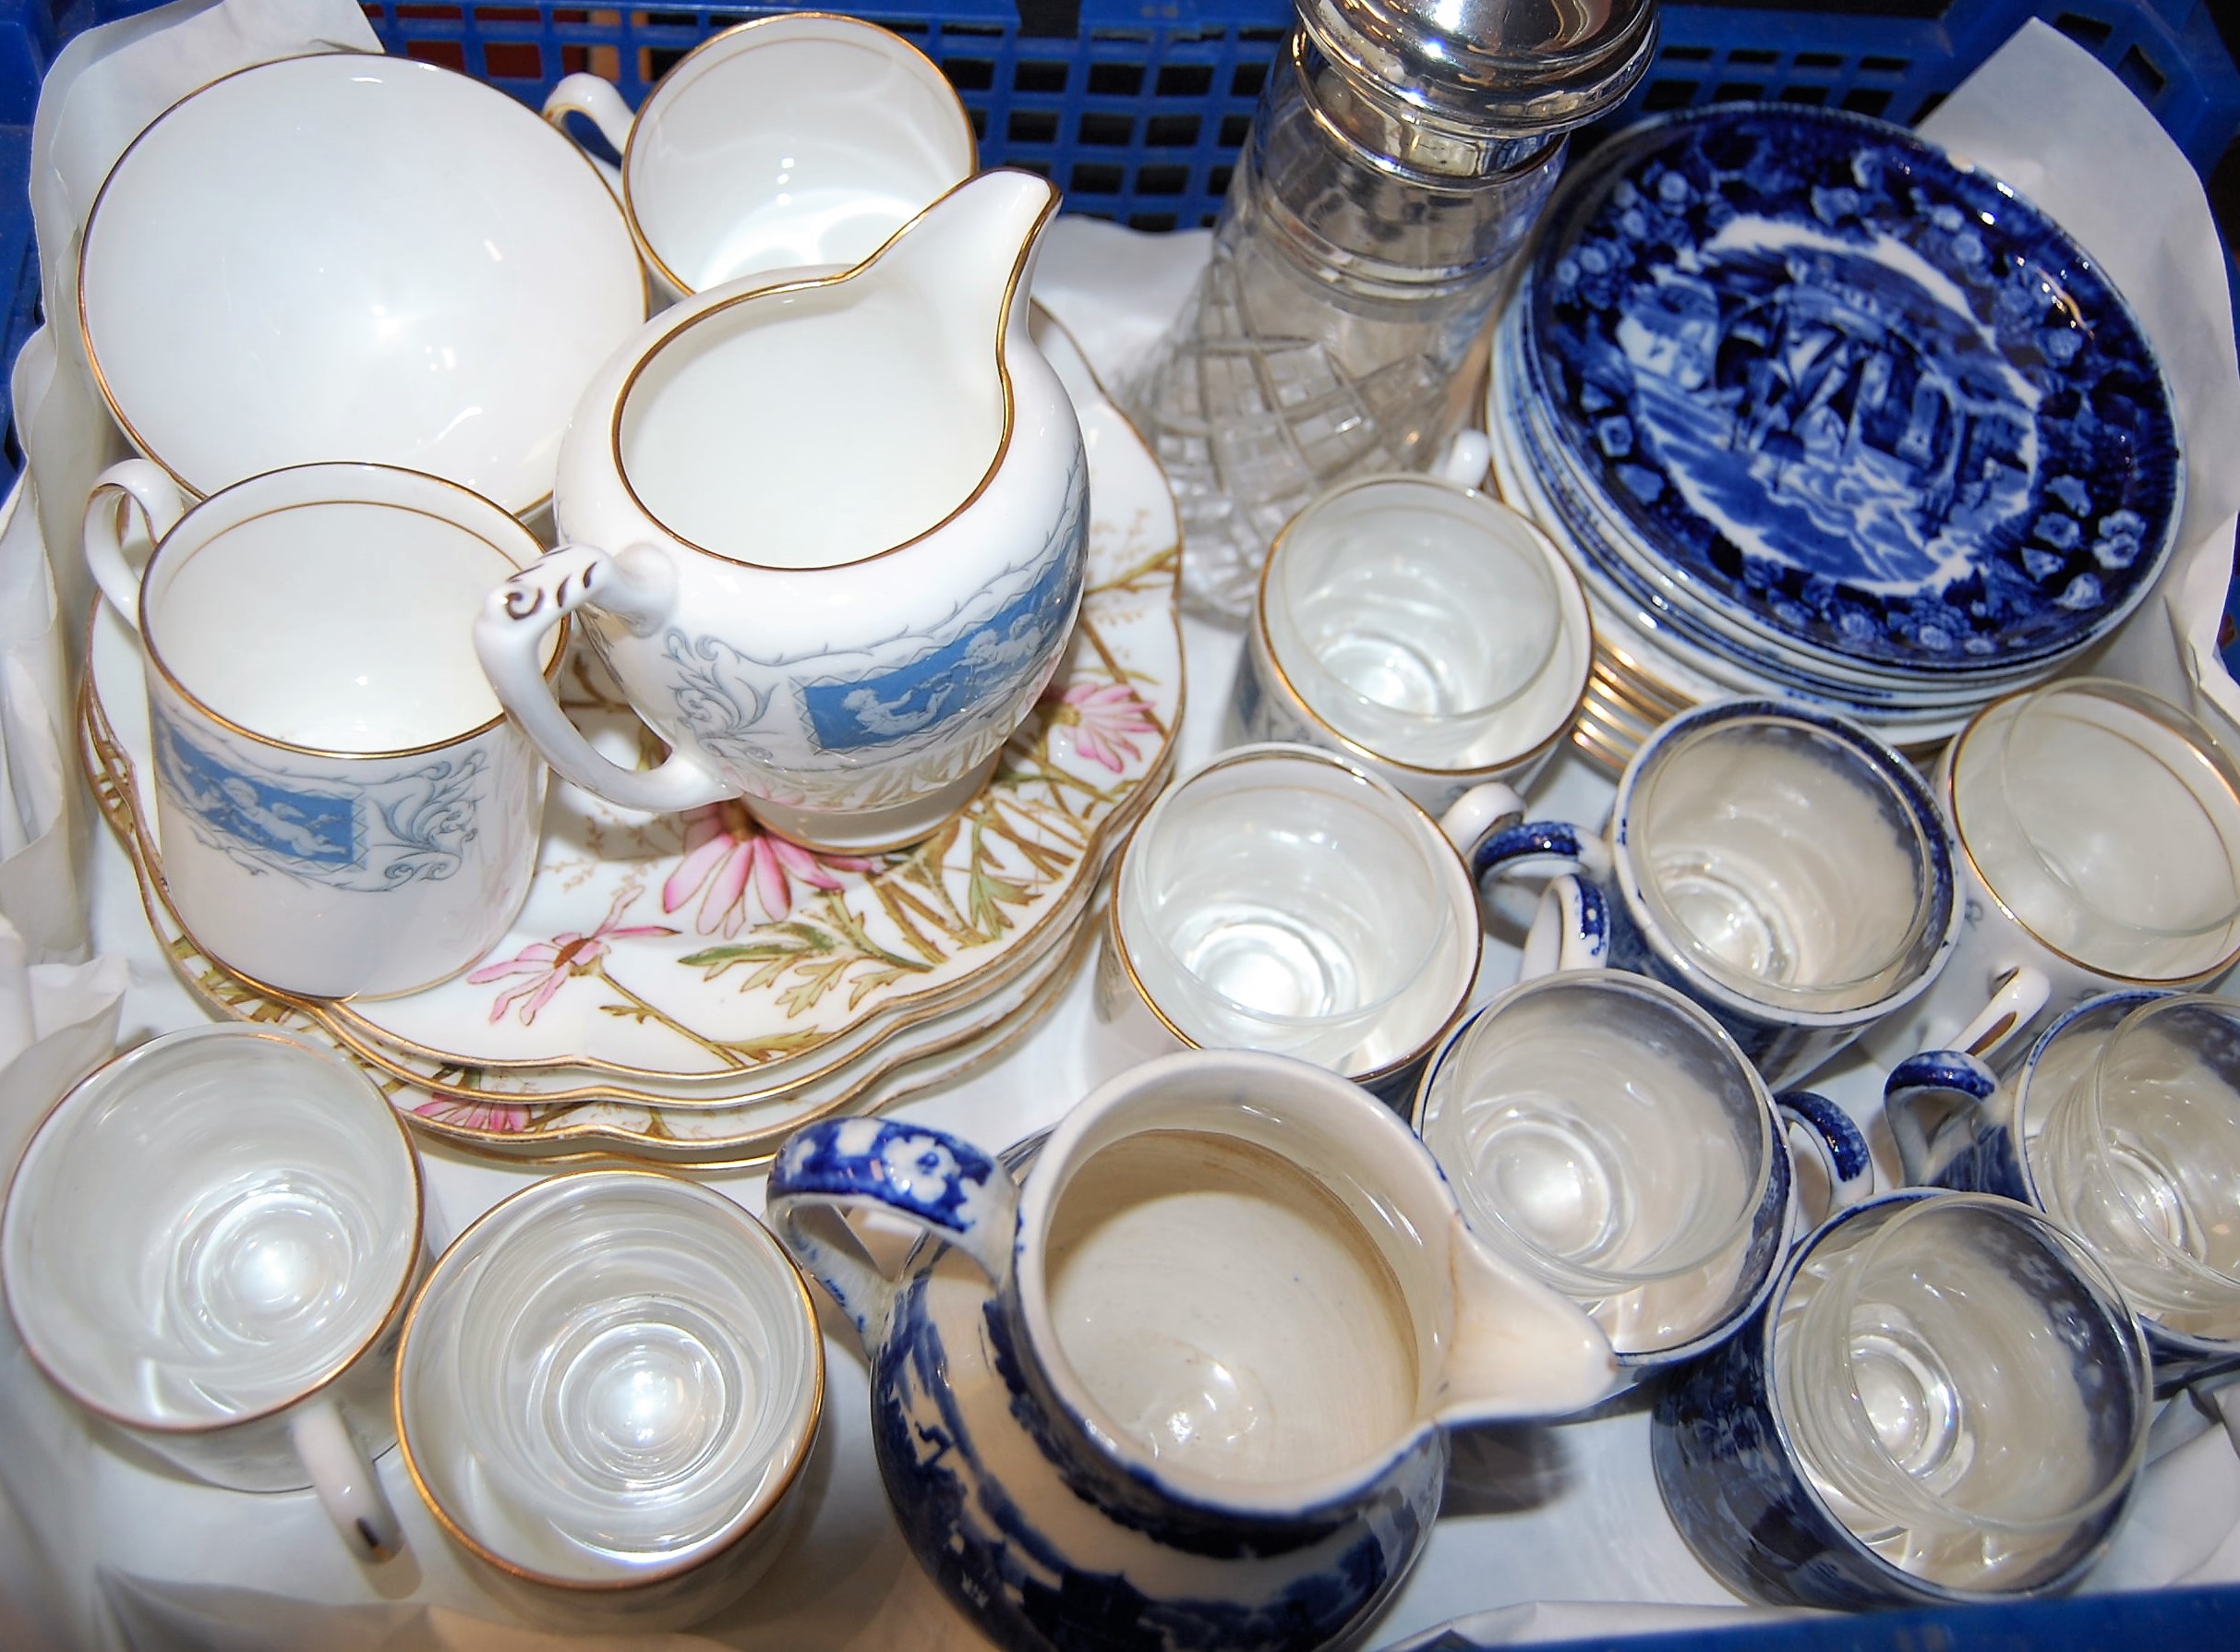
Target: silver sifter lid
(1502, 69)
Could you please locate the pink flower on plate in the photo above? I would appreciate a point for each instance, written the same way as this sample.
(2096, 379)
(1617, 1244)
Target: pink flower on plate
(503, 1118)
(1103, 716)
(544, 967)
(739, 870)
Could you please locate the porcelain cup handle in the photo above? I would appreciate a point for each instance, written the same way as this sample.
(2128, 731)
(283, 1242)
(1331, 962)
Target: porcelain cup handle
(597, 102)
(1467, 458)
(1816, 1126)
(898, 1178)
(638, 587)
(135, 484)
(1571, 930)
(1923, 1094)
(344, 1478)
(2021, 996)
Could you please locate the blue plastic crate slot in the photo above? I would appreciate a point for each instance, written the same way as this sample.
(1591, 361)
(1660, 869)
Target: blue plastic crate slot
(1136, 108)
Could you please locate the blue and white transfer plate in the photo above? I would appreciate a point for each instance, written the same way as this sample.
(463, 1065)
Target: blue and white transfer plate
(1861, 400)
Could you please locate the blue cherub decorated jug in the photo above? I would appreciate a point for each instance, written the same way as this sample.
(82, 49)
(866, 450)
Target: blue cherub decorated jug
(827, 529)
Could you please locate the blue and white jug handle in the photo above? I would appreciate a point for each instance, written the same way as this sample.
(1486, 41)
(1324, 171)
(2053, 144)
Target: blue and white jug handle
(925, 1179)
(1924, 1093)
(1816, 1126)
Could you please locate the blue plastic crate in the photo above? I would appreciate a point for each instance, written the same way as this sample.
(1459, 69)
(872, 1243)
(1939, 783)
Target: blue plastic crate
(1136, 108)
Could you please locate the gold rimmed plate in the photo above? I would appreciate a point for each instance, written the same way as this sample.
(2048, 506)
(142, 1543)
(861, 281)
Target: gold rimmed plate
(691, 959)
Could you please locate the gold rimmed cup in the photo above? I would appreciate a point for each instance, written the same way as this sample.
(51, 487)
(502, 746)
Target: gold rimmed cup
(2099, 829)
(606, 1393)
(1421, 630)
(209, 1244)
(1281, 899)
(783, 141)
(345, 809)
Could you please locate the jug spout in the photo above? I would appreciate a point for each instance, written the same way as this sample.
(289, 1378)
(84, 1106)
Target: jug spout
(970, 257)
(1518, 1349)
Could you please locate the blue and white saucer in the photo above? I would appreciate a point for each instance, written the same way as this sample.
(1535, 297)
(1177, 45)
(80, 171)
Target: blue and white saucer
(1625, 568)
(1856, 400)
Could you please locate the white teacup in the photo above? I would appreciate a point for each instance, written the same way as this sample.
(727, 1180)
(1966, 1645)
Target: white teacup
(1421, 628)
(2099, 826)
(784, 142)
(1284, 899)
(606, 1392)
(345, 810)
(210, 1243)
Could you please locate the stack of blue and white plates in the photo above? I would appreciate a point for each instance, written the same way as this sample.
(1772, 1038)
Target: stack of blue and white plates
(1819, 413)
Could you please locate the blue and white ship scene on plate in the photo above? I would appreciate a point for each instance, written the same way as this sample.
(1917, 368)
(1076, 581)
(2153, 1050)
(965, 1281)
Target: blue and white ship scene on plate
(1859, 398)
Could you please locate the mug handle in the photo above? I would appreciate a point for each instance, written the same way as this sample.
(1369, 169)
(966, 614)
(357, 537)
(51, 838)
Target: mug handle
(933, 1183)
(1924, 1093)
(597, 102)
(1826, 1132)
(638, 587)
(1467, 458)
(1569, 931)
(133, 484)
(344, 1478)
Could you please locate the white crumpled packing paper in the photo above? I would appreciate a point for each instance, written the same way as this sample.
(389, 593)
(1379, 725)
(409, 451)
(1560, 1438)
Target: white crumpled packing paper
(106, 85)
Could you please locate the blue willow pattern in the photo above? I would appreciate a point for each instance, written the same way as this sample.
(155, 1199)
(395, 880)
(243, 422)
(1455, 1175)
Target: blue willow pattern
(1855, 393)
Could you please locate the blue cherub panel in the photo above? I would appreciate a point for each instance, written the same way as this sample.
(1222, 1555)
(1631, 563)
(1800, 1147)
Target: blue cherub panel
(286, 823)
(961, 676)
(1857, 396)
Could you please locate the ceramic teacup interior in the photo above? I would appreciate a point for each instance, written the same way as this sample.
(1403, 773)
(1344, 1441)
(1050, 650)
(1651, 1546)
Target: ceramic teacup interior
(1283, 902)
(1599, 1130)
(801, 140)
(818, 425)
(610, 1377)
(337, 624)
(1408, 615)
(1786, 862)
(2107, 821)
(349, 255)
(210, 1227)
(2140, 1154)
(1963, 1386)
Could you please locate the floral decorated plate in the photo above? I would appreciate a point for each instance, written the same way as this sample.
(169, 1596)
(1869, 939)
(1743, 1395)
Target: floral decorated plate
(1858, 397)
(690, 958)
(908, 1063)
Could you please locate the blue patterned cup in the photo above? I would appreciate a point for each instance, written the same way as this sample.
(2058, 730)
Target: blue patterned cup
(2122, 1123)
(1606, 1135)
(1782, 867)
(1944, 1399)
(345, 809)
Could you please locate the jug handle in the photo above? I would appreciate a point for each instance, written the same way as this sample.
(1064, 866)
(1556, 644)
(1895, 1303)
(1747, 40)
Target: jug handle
(933, 1182)
(639, 589)
(597, 102)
